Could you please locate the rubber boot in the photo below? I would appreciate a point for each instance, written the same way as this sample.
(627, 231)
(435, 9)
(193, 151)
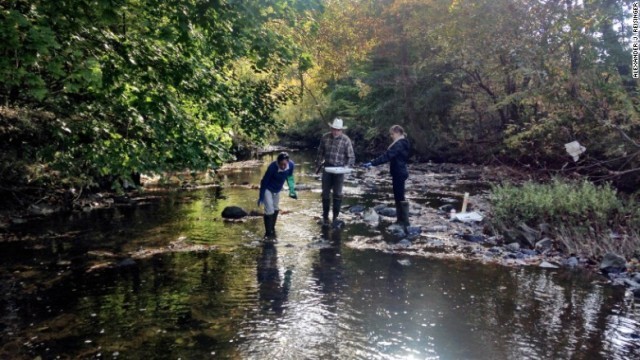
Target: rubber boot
(404, 219)
(326, 204)
(398, 213)
(336, 211)
(273, 223)
(268, 226)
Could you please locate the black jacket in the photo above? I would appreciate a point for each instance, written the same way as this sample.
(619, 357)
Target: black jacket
(397, 156)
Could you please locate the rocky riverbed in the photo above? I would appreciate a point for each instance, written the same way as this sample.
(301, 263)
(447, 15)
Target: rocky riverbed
(433, 190)
(435, 233)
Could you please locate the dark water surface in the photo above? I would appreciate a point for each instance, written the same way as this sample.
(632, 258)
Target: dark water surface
(307, 297)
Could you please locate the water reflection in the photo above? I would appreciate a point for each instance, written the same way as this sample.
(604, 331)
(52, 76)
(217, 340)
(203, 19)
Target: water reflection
(306, 297)
(327, 268)
(273, 290)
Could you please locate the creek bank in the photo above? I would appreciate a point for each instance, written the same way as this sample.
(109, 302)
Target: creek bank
(434, 234)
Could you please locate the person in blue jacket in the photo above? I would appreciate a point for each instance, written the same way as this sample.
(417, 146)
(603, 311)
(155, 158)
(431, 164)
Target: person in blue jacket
(397, 156)
(272, 183)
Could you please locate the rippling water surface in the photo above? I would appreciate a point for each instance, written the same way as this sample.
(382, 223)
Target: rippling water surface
(306, 297)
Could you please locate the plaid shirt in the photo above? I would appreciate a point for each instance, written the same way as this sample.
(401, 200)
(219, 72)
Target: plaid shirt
(336, 151)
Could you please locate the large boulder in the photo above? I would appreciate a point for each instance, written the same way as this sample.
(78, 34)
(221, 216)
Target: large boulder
(233, 212)
(613, 264)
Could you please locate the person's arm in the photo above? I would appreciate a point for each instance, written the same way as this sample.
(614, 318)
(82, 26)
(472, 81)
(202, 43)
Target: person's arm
(387, 156)
(291, 182)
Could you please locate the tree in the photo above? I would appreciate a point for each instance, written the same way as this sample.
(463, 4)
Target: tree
(140, 85)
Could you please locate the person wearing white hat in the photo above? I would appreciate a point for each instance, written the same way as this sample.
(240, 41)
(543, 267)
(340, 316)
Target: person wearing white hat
(335, 150)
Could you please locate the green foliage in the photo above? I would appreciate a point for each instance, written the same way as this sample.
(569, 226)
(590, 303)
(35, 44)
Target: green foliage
(141, 85)
(557, 202)
(580, 213)
(480, 80)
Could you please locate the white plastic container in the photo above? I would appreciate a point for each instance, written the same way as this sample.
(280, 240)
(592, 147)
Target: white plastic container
(338, 170)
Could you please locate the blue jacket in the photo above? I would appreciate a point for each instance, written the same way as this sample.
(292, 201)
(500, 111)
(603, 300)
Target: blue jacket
(274, 178)
(397, 156)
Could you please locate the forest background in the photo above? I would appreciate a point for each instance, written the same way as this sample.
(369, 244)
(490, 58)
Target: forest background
(102, 89)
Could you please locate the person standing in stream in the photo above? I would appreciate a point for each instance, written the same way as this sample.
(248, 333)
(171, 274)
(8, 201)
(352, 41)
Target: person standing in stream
(272, 183)
(397, 155)
(335, 150)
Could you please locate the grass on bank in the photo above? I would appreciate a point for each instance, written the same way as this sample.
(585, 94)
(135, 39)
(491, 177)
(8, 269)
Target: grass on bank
(586, 219)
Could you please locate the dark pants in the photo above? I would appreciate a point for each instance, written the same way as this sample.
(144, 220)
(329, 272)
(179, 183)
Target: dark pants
(398, 187)
(332, 182)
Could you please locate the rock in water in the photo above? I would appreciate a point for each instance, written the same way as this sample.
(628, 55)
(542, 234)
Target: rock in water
(473, 238)
(397, 230)
(233, 212)
(613, 263)
(513, 247)
(548, 265)
(388, 211)
(572, 262)
(404, 243)
(357, 209)
(371, 217)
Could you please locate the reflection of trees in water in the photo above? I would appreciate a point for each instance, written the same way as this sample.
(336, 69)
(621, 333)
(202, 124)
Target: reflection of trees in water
(273, 291)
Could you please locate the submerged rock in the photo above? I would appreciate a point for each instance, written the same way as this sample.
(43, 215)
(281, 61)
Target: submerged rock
(414, 231)
(404, 262)
(357, 209)
(126, 263)
(387, 211)
(404, 243)
(396, 230)
(233, 212)
(371, 217)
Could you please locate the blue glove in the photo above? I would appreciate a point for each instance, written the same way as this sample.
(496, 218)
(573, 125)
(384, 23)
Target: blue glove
(259, 202)
(367, 165)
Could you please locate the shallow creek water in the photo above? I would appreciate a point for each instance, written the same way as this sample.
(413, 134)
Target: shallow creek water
(308, 296)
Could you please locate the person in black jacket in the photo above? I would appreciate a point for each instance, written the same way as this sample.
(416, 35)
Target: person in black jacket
(397, 156)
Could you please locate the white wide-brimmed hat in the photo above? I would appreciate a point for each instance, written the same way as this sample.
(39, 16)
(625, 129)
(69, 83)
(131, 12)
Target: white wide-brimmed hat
(337, 124)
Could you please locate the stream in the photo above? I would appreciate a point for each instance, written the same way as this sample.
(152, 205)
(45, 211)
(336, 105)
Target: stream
(308, 296)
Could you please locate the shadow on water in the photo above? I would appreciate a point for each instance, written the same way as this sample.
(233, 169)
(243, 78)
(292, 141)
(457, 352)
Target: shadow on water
(306, 296)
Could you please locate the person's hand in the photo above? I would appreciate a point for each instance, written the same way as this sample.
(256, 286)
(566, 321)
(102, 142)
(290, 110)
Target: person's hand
(367, 165)
(259, 202)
